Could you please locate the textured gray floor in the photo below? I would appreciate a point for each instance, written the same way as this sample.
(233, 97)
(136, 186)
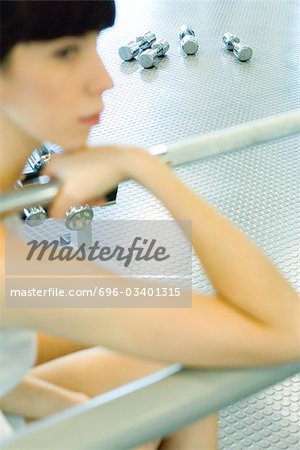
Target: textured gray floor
(257, 188)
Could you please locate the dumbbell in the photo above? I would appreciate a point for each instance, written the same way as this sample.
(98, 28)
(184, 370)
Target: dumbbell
(187, 38)
(36, 215)
(76, 217)
(232, 43)
(32, 215)
(150, 57)
(131, 50)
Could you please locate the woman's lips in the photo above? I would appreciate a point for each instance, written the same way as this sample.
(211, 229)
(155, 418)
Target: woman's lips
(91, 120)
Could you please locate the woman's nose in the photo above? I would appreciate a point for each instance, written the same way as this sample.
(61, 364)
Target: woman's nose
(99, 80)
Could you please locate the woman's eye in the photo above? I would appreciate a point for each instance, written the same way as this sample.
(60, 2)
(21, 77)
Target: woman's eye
(66, 52)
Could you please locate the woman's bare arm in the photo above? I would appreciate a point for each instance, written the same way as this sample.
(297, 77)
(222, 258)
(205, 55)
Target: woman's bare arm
(240, 273)
(252, 319)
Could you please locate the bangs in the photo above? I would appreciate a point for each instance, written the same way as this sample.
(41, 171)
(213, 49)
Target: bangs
(23, 21)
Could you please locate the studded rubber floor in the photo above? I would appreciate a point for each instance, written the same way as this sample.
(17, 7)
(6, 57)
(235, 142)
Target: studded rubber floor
(257, 188)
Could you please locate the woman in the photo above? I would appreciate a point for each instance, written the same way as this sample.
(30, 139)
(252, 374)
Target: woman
(50, 85)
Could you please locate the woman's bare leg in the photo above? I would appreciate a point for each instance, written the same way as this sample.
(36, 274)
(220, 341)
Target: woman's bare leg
(202, 435)
(95, 370)
(52, 347)
(98, 370)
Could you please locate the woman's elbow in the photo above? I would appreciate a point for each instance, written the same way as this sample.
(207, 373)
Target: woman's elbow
(289, 341)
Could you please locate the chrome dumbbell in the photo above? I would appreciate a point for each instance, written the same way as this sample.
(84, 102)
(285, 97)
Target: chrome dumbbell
(134, 48)
(76, 217)
(33, 215)
(187, 38)
(150, 57)
(241, 51)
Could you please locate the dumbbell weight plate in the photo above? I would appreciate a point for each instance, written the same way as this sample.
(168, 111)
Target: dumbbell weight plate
(129, 51)
(148, 59)
(78, 217)
(242, 52)
(189, 44)
(34, 216)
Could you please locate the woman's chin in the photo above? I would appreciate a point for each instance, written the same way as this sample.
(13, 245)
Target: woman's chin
(71, 145)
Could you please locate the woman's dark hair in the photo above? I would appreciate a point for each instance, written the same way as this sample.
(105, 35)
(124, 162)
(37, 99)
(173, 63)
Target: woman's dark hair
(39, 20)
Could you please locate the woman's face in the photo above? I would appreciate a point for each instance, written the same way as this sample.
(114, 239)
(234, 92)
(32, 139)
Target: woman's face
(51, 89)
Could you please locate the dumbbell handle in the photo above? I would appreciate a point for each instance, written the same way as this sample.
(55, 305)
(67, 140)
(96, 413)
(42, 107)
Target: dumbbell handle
(185, 30)
(240, 136)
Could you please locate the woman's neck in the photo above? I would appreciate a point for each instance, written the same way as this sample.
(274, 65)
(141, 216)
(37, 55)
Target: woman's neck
(15, 148)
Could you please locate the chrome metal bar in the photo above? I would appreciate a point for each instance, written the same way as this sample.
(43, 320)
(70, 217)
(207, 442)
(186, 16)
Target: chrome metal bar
(34, 195)
(234, 138)
(240, 136)
(146, 409)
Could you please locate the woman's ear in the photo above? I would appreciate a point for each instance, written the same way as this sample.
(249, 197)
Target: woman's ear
(2, 82)
(4, 74)
(4, 77)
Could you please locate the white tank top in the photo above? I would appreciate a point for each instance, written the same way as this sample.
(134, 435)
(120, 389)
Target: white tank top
(17, 347)
(17, 356)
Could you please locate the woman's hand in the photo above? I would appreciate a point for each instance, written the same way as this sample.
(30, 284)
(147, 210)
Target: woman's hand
(87, 175)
